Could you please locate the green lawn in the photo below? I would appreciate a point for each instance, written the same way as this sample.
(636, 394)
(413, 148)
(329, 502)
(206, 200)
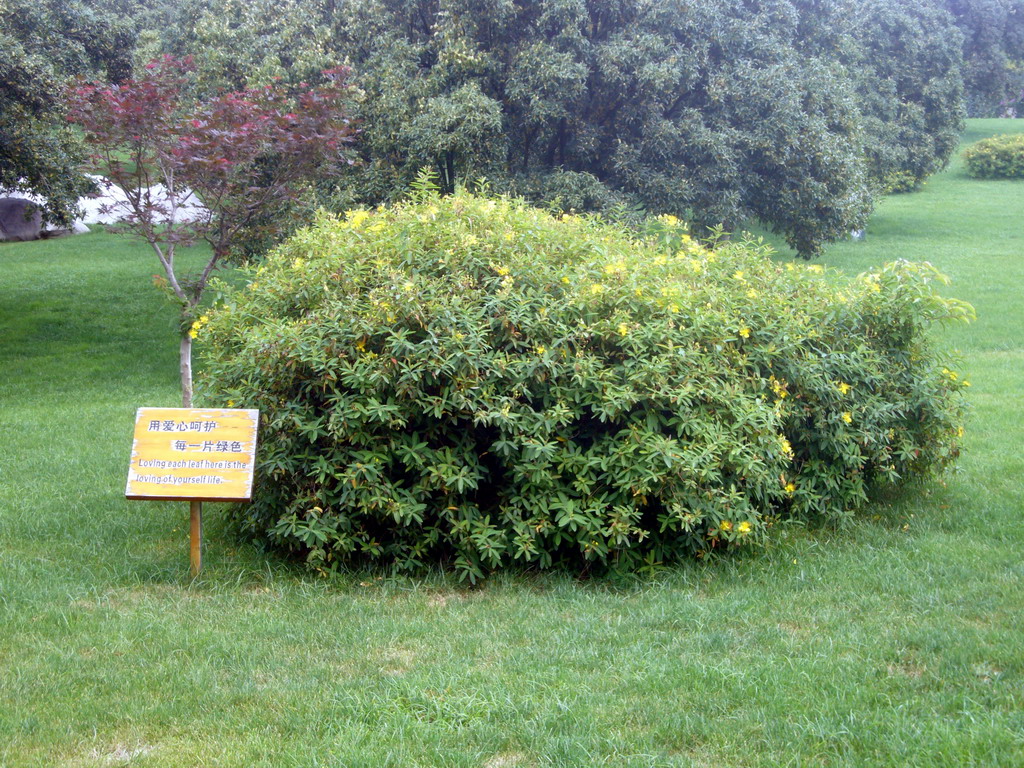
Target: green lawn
(896, 642)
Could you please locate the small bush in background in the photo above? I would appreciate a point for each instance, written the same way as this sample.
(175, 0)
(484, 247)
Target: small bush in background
(899, 182)
(1000, 157)
(475, 381)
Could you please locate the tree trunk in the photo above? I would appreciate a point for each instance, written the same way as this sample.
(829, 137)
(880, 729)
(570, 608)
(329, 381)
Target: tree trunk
(185, 357)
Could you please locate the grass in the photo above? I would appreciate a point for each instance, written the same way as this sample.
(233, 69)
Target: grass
(895, 642)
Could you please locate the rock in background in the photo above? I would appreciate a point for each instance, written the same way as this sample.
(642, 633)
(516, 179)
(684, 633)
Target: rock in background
(20, 219)
(108, 206)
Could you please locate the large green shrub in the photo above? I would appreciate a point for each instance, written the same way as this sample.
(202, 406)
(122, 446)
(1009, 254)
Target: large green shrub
(999, 157)
(473, 380)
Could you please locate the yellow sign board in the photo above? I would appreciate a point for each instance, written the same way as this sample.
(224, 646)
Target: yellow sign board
(198, 454)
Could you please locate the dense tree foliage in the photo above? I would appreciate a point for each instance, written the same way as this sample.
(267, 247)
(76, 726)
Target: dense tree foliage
(909, 77)
(249, 43)
(796, 112)
(41, 43)
(704, 110)
(993, 54)
(904, 60)
(791, 111)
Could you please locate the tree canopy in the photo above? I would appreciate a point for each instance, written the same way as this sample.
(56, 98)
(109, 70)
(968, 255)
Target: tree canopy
(903, 58)
(794, 112)
(993, 33)
(704, 110)
(42, 42)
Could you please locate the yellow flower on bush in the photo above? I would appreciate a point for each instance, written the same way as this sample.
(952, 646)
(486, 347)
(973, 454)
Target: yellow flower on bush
(669, 220)
(356, 218)
(725, 525)
(197, 325)
(751, 294)
(743, 527)
(790, 488)
(848, 417)
(745, 332)
(623, 329)
(297, 264)
(738, 275)
(596, 288)
(843, 387)
(540, 349)
(787, 447)
(816, 269)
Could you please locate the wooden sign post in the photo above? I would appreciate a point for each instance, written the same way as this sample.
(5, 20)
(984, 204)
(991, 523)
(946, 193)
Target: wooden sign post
(193, 454)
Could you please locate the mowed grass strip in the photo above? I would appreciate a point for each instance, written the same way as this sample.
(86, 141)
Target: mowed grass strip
(895, 642)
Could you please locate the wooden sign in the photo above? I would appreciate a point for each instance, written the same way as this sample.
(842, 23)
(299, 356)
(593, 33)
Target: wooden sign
(196, 454)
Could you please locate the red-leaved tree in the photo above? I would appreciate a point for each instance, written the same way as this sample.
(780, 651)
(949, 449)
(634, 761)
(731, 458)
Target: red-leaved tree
(207, 170)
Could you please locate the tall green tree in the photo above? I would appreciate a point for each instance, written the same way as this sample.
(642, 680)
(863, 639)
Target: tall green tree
(42, 43)
(251, 43)
(913, 101)
(993, 33)
(905, 62)
(701, 109)
(792, 111)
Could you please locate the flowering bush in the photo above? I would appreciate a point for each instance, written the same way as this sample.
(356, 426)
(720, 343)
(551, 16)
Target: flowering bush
(897, 182)
(999, 157)
(476, 381)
